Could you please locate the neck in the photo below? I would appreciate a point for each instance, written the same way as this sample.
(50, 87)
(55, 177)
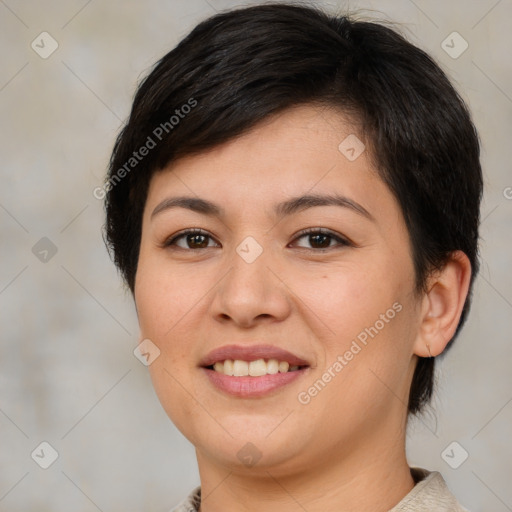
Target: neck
(372, 477)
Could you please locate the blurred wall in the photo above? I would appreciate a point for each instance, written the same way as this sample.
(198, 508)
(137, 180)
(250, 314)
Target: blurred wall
(68, 376)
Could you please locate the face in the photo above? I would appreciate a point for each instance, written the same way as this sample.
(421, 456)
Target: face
(289, 254)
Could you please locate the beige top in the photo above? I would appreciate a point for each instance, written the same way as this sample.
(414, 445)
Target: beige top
(430, 493)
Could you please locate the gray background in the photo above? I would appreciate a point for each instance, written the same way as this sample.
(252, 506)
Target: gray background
(67, 372)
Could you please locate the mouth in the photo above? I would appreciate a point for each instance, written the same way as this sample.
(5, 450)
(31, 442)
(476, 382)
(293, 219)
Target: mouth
(252, 371)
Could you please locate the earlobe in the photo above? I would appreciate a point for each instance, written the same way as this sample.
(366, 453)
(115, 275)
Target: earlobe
(442, 305)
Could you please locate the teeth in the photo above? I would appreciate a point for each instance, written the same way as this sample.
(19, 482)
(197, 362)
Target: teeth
(283, 367)
(240, 368)
(258, 368)
(272, 366)
(228, 367)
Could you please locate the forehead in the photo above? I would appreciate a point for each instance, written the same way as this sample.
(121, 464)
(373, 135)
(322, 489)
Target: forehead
(307, 149)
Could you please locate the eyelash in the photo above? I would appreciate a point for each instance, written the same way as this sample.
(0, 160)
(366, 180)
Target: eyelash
(310, 231)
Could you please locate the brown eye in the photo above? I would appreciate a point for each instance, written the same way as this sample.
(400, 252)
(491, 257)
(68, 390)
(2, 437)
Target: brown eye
(321, 239)
(190, 239)
(197, 241)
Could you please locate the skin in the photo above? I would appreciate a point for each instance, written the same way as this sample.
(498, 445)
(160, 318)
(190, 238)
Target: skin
(345, 449)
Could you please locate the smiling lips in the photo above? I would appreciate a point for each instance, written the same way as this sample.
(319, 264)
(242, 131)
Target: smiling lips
(253, 371)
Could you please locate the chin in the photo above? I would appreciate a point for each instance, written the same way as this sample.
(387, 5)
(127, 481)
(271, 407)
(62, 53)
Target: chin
(258, 455)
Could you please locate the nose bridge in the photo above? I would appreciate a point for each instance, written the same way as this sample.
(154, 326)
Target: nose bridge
(250, 289)
(250, 250)
(249, 266)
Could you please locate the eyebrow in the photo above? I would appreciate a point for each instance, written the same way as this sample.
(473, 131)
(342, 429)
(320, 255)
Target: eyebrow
(288, 207)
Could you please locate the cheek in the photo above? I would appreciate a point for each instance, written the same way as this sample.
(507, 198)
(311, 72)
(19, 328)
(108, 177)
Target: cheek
(366, 368)
(364, 319)
(349, 299)
(162, 305)
(169, 302)
(163, 296)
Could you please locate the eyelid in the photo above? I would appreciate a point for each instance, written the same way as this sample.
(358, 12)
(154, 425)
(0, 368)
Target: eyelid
(171, 240)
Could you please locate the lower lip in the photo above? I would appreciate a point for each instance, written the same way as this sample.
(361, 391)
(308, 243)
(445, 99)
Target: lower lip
(252, 387)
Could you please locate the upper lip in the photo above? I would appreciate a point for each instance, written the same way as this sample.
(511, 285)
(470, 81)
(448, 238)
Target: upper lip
(251, 353)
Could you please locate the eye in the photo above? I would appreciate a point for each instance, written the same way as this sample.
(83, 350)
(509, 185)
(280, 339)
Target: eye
(191, 239)
(321, 239)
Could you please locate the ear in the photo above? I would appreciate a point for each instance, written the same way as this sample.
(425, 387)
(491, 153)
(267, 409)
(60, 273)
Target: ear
(442, 305)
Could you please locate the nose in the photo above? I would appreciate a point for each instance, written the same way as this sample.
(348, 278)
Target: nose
(251, 292)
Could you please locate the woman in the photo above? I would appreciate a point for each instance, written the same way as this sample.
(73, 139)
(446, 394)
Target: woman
(294, 204)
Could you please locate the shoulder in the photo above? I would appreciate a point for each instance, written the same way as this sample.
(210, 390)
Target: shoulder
(429, 493)
(190, 503)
